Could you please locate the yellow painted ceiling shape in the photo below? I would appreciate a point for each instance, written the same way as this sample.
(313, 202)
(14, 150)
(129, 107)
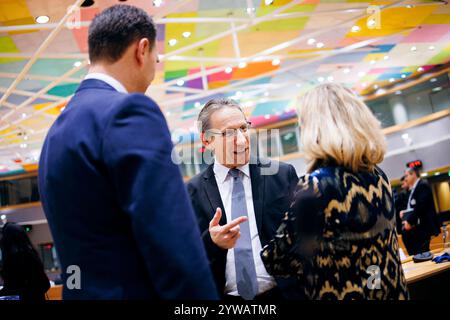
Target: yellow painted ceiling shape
(53, 111)
(254, 42)
(217, 84)
(7, 46)
(283, 24)
(175, 30)
(37, 122)
(393, 20)
(374, 57)
(11, 10)
(6, 131)
(437, 19)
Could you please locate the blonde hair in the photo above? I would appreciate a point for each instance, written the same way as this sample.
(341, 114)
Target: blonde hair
(337, 126)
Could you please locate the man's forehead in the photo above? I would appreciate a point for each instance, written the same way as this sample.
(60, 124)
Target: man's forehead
(227, 118)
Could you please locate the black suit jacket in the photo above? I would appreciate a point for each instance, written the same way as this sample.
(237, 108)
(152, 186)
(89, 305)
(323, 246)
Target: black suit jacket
(424, 215)
(272, 196)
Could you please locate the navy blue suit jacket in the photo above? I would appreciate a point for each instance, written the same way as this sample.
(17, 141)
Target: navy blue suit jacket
(116, 203)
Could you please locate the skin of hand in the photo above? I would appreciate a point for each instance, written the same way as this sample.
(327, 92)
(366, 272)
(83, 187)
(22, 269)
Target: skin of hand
(225, 236)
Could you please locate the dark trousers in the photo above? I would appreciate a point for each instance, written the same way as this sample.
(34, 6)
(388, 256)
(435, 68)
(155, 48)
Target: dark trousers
(416, 241)
(268, 296)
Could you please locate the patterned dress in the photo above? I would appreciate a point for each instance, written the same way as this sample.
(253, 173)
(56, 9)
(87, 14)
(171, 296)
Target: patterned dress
(338, 238)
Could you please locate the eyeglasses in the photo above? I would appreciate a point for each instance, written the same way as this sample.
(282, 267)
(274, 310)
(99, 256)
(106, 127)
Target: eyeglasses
(228, 133)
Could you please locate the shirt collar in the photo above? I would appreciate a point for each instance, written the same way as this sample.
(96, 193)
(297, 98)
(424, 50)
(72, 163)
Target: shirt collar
(221, 171)
(108, 79)
(415, 185)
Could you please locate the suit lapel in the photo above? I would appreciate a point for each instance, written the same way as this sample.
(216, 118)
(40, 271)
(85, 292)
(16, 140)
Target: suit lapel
(258, 182)
(212, 192)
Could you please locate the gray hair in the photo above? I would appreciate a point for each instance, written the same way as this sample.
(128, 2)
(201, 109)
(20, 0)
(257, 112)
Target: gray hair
(212, 106)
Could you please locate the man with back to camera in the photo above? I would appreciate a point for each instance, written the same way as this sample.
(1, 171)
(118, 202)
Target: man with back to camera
(115, 202)
(238, 206)
(420, 221)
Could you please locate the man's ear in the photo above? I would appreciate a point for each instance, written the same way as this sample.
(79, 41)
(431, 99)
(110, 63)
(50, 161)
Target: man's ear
(207, 141)
(142, 50)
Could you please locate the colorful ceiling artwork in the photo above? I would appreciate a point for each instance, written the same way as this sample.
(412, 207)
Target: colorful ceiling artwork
(263, 53)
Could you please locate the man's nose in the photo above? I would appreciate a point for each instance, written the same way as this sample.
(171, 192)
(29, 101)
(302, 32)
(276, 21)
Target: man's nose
(241, 139)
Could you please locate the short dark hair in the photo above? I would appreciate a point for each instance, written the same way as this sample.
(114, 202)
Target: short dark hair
(114, 29)
(210, 107)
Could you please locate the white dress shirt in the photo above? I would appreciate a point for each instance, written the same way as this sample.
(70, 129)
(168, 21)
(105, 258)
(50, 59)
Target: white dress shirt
(108, 79)
(225, 185)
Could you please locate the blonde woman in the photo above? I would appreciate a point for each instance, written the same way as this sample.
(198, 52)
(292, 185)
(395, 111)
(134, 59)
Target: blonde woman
(338, 238)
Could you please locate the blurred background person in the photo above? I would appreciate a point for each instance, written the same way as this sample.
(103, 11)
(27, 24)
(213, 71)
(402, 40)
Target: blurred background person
(401, 202)
(420, 221)
(338, 237)
(238, 206)
(22, 271)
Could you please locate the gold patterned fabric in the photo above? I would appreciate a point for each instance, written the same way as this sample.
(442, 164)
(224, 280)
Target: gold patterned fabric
(338, 238)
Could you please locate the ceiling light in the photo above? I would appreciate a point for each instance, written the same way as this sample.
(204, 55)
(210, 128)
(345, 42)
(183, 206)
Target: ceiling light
(436, 89)
(311, 41)
(424, 174)
(77, 64)
(371, 23)
(267, 116)
(298, 85)
(186, 34)
(3, 217)
(42, 19)
(403, 76)
(172, 42)
(321, 79)
(268, 2)
(180, 83)
(431, 48)
(372, 62)
(433, 80)
(355, 29)
(361, 74)
(157, 3)
(398, 92)
(346, 70)
(266, 94)
(386, 57)
(24, 115)
(364, 84)
(228, 70)
(413, 48)
(330, 78)
(242, 64)
(197, 105)
(276, 62)
(391, 80)
(319, 45)
(25, 137)
(250, 10)
(409, 6)
(376, 86)
(437, 173)
(420, 69)
(23, 145)
(63, 108)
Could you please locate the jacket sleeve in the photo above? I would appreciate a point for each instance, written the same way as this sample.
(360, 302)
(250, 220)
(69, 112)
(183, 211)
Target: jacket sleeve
(423, 198)
(149, 189)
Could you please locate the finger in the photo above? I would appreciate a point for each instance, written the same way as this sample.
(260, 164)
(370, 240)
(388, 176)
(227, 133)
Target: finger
(235, 229)
(215, 220)
(234, 223)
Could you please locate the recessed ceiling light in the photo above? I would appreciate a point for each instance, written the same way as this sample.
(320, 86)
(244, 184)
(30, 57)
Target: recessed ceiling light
(431, 48)
(330, 79)
(242, 64)
(197, 105)
(321, 79)
(180, 83)
(77, 64)
(364, 84)
(398, 92)
(186, 34)
(413, 48)
(268, 2)
(372, 62)
(386, 57)
(157, 3)
(361, 74)
(266, 94)
(24, 115)
(433, 80)
(436, 89)
(42, 19)
(250, 10)
(25, 137)
(228, 70)
(409, 6)
(424, 174)
(355, 29)
(238, 94)
(376, 86)
(403, 76)
(391, 80)
(346, 70)
(371, 23)
(276, 62)
(298, 85)
(267, 116)
(420, 69)
(311, 41)
(319, 45)
(172, 42)
(3, 216)
(23, 145)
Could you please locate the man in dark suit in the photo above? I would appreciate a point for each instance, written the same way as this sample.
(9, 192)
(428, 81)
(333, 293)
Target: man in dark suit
(116, 204)
(239, 203)
(420, 221)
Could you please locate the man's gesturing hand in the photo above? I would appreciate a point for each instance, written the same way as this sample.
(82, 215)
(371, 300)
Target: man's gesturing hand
(225, 236)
